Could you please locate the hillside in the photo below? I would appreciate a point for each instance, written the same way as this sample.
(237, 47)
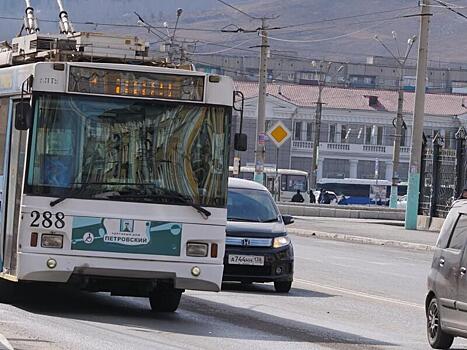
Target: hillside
(350, 39)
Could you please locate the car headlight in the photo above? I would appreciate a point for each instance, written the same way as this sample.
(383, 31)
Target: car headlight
(281, 241)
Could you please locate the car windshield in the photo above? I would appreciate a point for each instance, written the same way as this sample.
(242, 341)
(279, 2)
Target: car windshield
(129, 150)
(250, 205)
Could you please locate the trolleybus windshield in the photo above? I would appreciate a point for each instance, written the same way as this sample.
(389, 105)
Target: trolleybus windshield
(128, 150)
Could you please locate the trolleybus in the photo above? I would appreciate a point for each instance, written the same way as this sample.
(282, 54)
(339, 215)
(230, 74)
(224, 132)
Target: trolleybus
(113, 175)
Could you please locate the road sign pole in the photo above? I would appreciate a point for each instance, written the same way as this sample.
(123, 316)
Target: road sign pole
(277, 190)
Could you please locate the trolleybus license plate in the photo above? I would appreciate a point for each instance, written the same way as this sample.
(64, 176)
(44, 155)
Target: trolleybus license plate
(246, 260)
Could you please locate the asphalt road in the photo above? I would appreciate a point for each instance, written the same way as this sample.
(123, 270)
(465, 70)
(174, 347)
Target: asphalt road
(345, 296)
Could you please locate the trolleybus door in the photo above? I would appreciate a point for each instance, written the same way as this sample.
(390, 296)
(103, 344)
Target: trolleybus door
(12, 191)
(5, 112)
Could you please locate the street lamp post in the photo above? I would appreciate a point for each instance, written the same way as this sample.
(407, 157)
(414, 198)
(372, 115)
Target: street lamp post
(317, 124)
(399, 124)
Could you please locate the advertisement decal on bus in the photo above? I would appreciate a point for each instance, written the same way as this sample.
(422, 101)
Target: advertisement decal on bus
(126, 236)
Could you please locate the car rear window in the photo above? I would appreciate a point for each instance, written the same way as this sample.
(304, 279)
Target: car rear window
(459, 234)
(446, 230)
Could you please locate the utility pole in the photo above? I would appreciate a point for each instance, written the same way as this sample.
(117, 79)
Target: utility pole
(396, 152)
(318, 116)
(399, 118)
(260, 149)
(418, 118)
(316, 134)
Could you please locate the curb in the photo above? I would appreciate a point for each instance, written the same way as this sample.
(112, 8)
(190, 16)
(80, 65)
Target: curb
(360, 239)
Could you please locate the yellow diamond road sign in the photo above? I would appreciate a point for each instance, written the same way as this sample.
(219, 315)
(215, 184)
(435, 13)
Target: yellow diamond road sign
(279, 133)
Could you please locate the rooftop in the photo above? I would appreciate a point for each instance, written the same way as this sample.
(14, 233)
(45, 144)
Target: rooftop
(357, 99)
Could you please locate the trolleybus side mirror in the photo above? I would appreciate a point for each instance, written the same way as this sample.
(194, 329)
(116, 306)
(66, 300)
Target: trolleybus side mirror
(240, 139)
(23, 116)
(240, 142)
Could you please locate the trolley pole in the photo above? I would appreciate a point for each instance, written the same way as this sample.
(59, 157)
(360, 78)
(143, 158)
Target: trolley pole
(418, 118)
(260, 149)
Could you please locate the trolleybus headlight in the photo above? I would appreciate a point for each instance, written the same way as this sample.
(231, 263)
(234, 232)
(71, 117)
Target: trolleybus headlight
(281, 241)
(51, 263)
(195, 271)
(51, 241)
(197, 249)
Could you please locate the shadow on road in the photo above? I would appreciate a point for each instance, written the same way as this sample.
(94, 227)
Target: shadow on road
(196, 316)
(268, 289)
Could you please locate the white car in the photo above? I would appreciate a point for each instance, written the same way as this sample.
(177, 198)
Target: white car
(402, 202)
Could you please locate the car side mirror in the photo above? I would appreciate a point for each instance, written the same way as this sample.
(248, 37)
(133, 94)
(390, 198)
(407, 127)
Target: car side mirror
(288, 219)
(240, 142)
(23, 116)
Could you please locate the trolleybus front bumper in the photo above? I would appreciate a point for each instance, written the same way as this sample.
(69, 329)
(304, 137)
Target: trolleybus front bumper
(60, 268)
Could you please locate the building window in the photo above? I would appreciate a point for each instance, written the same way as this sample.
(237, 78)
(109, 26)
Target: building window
(332, 133)
(370, 169)
(374, 135)
(268, 124)
(345, 133)
(368, 134)
(403, 137)
(336, 168)
(379, 135)
(309, 131)
(298, 131)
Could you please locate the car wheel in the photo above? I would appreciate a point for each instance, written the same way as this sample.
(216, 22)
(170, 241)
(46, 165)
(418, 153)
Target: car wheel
(436, 337)
(282, 286)
(165, 299)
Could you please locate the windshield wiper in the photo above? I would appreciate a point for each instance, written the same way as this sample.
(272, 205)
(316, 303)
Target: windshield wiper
(241, 219)
(73, 192)
(271, 220)
(166, 194)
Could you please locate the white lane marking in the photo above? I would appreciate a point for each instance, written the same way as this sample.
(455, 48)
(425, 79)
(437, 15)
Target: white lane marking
(360, 294)
(4, 341)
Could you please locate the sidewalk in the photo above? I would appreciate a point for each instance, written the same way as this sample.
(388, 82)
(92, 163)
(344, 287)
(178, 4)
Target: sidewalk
(367, 231)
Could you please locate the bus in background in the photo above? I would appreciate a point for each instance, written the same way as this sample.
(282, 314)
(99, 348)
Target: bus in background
(289, 181)
(361, 191)
(114, 175)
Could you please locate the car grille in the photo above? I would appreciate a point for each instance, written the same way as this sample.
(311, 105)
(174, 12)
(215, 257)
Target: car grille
(248, 242)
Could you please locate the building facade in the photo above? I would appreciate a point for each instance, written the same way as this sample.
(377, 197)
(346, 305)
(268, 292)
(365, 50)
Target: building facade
(357, 131)
(376, 72)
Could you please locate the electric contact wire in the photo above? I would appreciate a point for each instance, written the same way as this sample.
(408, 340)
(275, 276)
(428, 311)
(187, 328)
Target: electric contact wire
(323, 39)
(445, 5)
(237, 9)
(220, 51)
(348, 17)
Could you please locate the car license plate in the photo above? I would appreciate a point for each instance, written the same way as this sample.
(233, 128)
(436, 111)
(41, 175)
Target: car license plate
(246, 260)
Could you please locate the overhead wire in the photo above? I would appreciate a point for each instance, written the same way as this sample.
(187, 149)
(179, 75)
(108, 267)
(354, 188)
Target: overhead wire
(445, 5)
(238, 10)
(220, 51)
(347, 17)
(322, 39)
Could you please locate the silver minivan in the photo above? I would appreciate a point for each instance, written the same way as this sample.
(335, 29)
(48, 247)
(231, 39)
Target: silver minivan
(446, 301)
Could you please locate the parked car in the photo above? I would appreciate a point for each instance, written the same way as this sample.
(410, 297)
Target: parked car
(402, 202)
(258, 248)
(446, 302)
